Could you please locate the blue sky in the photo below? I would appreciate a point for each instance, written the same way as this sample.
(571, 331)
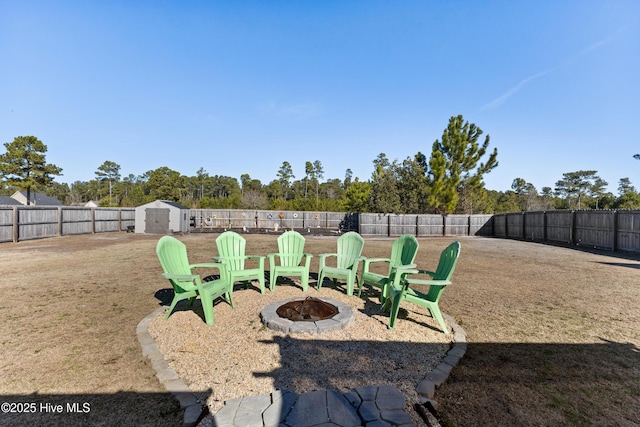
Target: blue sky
(239, 87)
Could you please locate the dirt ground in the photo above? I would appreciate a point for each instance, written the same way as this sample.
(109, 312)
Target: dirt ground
(554, 333)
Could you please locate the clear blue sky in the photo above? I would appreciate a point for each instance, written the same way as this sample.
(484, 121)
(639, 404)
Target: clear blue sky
(240, 86)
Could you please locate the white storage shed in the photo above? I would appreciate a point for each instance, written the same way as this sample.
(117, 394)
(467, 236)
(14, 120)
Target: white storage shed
(162, 217)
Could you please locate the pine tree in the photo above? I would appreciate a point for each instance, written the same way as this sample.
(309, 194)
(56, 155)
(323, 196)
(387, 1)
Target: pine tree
(24, 165)
(454, 165)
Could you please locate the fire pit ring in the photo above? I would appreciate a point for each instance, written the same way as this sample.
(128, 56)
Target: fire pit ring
(271, 319)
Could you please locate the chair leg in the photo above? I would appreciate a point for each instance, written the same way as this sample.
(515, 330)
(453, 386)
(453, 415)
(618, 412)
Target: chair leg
(395, 307)
(320, 279)
(435, 313)
(350, 285)
(171, 307)
(207, 307)
(229, 296)
(261, 280)
(304, 281)
(273, 281)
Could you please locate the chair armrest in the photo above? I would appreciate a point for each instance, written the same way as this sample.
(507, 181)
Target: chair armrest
(323, 259)
(368, 261)
(207, 265)
(180, 276)
(327, 255)
(427, 282)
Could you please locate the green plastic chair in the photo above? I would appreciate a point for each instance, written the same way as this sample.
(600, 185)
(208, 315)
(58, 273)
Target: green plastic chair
(439, 280)
(347, 259)
(231, 251)
(172, 255)
(403, 253)
(290, 256)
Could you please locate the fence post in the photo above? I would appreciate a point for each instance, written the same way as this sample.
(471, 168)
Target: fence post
(60, 221)
(572, 237)
(93, 220)
(16, 225)
(615, 231)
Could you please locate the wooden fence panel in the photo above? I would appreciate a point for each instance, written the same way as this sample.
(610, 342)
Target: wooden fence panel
(534, 226)
(594, 229)
(374, 224)
(481, 225)
(76, 221)
(6, 225)
(402, 224)
(560, 226)
(500, 225)
(35, 223)
(628, 234)
(210, 218)
(456, 225)
(107, 220)
(430, 225)
(515, 222)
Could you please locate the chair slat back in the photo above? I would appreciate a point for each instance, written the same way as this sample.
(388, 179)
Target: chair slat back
(350, 247)
(444, 271)
(291, 248)
(231, 246)
(172, 255)
(404, 250)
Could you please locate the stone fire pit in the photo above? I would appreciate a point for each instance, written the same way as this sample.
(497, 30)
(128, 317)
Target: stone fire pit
(270, 317)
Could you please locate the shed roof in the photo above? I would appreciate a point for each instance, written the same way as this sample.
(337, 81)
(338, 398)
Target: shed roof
(174, 204)
(164, 202)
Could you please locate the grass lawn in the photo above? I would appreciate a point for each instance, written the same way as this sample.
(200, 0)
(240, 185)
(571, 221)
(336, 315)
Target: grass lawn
(554, 333)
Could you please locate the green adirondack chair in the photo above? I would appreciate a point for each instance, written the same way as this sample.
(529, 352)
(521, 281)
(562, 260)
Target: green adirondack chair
(292, 260)
(231, 251)
(403, 253)
(437, 284)
(172, 255)
(347, 259)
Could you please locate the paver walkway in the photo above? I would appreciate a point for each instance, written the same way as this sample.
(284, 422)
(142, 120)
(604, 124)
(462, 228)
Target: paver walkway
(369, 406)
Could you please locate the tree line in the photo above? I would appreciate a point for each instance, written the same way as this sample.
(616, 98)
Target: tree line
(449, 180)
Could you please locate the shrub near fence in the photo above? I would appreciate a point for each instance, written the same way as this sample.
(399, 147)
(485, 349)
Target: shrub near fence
(602, 229)
(19, 223)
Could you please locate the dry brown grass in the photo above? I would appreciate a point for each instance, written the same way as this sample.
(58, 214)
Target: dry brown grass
(553, 332)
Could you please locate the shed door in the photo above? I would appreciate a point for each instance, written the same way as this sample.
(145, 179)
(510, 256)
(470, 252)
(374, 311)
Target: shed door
(156, 221)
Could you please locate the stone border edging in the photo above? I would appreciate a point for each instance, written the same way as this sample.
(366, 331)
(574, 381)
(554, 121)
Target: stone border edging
(434, 379)
(195, 411)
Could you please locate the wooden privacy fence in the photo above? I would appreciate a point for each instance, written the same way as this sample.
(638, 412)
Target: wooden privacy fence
(425, 225)
(366, 224)
(602, 229)
(19, 223)
(266, 220)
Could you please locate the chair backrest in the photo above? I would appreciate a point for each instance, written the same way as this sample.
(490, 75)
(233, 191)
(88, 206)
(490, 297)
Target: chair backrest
(172, 255)
(404, 250)
(444, 271)
(290, 248)
(231, 246)
(349, 249)
(447, 263)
